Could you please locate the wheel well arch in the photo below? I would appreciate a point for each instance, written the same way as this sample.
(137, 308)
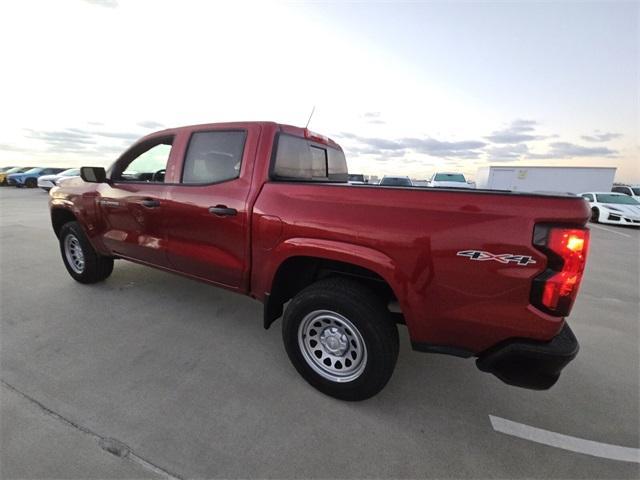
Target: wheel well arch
(60, 216)
(298, 272)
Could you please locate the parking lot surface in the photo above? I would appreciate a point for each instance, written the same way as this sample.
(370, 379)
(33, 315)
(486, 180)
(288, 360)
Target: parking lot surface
(183, 376)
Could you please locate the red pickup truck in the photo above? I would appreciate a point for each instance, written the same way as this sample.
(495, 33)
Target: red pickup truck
(266, 210)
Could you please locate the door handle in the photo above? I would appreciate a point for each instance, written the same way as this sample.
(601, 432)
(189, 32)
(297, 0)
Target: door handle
(150, 203)
(222, 211)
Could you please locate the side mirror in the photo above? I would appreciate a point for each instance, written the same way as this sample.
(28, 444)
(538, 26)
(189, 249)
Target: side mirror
(93, 174)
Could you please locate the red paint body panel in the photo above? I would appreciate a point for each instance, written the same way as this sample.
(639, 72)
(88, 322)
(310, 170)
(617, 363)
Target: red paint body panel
(408, 236)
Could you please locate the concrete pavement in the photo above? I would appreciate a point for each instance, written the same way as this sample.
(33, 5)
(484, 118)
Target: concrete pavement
(185, 376)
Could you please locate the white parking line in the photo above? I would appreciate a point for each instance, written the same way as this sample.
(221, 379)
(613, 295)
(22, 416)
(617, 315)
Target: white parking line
(566, 442)
(609, 230)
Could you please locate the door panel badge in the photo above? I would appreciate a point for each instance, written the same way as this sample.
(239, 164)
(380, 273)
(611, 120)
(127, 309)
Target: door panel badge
(506, 258)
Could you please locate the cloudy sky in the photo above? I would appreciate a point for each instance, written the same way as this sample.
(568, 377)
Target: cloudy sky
(406, 88)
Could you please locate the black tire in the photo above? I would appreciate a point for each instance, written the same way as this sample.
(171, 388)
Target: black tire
(371, 319)
(31, 183)
(95, 268)
(595, 215)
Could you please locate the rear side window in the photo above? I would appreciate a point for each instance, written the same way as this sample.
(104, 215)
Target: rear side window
(588, 196)
(213, 157)
(300, 159)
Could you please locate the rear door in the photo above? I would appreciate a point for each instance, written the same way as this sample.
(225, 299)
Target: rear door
(206, 210)
(132, 203)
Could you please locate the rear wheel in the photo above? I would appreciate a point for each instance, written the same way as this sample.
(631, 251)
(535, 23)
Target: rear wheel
(595, 215)
(83, 263)
(340, 338)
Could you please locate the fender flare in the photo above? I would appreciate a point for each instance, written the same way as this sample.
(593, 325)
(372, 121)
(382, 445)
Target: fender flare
(358, 255)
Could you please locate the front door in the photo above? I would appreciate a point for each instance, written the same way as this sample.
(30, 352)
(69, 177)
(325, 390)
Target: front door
(132, 203)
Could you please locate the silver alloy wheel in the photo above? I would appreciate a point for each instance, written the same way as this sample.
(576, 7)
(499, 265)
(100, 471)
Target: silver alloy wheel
(332, 346)
(73, 252)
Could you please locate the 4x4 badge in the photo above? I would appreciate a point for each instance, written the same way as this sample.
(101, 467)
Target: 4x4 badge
(482, 256)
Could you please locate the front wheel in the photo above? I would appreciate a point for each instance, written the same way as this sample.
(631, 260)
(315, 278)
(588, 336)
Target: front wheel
(31, 183)
(595, 215)
(340, 338)
(83, 263)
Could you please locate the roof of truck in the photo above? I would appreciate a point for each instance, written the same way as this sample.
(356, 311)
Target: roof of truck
(282, 127)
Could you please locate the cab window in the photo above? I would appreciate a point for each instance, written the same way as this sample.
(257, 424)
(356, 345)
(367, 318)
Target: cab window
(300, 159)
(213, 157)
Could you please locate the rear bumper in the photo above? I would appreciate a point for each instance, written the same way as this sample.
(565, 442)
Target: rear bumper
(530, 364)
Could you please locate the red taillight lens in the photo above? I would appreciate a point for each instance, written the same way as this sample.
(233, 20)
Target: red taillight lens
(566, 248)
(316, 137)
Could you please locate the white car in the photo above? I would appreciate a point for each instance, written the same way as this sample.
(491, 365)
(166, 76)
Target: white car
(613, 208)
(631, 190)
(47, 182)
(449, 180)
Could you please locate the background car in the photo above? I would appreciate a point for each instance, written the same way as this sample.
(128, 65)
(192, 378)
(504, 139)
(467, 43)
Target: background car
(613, 208)
(29, 178)
(396, 181)
(4, 169)
(47, 182)
(6, 173)
(449, 180)
(631, 190)
(357, 179)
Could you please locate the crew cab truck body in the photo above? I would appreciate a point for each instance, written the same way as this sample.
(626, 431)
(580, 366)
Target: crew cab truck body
(265, 210)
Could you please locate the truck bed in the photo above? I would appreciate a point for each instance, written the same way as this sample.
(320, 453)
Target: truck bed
(446, 300)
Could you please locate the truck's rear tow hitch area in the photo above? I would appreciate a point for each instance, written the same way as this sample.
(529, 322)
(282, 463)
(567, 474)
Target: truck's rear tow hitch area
(530, 364)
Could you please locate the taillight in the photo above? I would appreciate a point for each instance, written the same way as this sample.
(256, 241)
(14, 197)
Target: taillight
(555, 289)
(317, 137)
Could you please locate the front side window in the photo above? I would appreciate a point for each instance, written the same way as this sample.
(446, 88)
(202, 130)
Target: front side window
(299, 159)
(213, 157)
(145, 163)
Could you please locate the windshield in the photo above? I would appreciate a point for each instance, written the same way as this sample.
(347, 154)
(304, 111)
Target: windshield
(33, 170)
(396, 182)
(70, 173)
(449, 177)
(356, 177)
(17, 169)
(636, 190)
(613, 198)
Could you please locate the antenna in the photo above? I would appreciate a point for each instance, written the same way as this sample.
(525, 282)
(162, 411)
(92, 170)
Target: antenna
(311, 115)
